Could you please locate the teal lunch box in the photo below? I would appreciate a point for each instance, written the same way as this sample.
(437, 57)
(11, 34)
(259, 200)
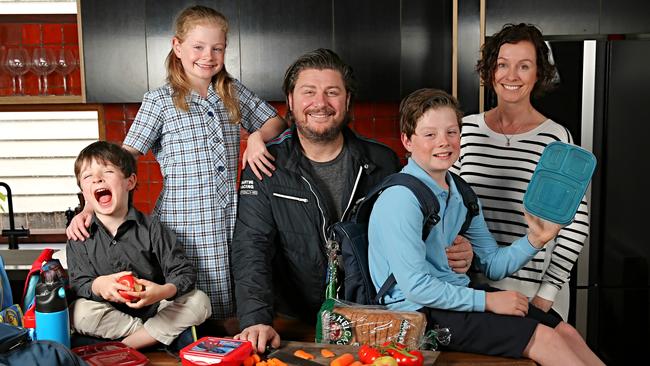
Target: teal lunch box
(559, 182)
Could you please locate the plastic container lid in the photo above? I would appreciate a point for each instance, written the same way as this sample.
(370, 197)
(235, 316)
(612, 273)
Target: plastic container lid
(111, 353)
(559, 182)
(214, 350)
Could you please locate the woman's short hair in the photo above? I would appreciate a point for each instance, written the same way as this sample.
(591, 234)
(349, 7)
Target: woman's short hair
(515, 33)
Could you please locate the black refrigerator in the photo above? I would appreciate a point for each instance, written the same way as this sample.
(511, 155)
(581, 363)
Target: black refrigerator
(619, 285)
(603, 98)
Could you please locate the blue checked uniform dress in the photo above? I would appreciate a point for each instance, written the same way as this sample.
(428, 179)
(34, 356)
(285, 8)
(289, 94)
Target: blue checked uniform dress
(198, 154)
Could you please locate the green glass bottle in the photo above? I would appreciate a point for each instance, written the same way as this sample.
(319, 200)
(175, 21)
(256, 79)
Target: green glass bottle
(332, 266)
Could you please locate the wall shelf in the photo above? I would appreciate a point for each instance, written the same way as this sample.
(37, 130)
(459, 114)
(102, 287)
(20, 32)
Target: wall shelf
(42, 99)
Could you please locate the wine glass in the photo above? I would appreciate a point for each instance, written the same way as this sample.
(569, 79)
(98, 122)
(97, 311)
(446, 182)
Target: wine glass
(43, 63)
(17, 63)
(66, 62)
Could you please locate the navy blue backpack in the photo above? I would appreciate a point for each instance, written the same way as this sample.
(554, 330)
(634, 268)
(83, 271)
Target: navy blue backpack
(350, 238)
(16, 349)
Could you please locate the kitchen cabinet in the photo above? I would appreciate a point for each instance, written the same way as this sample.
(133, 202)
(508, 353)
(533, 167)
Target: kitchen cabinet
(469, 43)
(394, 46)
(114, 45)
(274, 34)
(553, 17)
(367, 36)
(426, 45)
(624, 16)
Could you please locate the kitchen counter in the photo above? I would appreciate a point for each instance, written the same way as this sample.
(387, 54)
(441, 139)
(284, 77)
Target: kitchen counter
(431, 357)
(40, 236)
(19, 259)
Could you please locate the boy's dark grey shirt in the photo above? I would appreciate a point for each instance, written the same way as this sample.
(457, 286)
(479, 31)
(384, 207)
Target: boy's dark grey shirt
(141, 245)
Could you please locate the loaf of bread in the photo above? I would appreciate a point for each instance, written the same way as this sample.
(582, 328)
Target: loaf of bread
(341, 323)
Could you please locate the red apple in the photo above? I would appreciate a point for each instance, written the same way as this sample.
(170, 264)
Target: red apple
(129, 280)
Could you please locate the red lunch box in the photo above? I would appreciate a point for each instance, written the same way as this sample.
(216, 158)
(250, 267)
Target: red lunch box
(111, 353)
(216, 351)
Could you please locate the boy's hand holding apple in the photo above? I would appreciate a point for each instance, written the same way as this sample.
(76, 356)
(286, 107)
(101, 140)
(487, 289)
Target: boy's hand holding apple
(133, 287)
(151, 294)
(108, 287)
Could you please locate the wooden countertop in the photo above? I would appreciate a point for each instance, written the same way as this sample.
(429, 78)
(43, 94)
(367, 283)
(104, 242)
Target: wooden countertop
(40, 236)
(431, 358)
(314, 349)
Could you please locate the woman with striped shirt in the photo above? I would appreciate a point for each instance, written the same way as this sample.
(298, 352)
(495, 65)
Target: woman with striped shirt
(499, 152)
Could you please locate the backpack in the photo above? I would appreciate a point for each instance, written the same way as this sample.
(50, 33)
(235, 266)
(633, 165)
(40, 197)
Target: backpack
(43, 353)
(44, 268)
(33, 276)
(350, 238)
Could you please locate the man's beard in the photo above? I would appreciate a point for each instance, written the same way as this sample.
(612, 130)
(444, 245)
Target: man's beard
(326, 135)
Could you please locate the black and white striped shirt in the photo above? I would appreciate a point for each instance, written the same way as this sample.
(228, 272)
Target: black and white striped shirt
(499, 174)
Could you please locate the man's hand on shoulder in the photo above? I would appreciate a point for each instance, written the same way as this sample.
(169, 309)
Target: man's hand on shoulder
(259, 335)
(77, 230)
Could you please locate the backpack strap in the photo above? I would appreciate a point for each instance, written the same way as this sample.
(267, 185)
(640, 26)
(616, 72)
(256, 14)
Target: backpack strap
(430, 207)
(428, 204)
(469, 199)
(428, 201)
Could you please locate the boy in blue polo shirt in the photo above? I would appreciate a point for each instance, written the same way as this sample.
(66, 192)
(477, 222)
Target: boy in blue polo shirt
(481, 320)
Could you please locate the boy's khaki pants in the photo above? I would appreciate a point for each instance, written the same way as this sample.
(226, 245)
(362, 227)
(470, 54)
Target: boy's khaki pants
(101, 319)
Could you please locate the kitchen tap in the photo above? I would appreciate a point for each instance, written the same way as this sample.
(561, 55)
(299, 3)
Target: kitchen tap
(13, 234)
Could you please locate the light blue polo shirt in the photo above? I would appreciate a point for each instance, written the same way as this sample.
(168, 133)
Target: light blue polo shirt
(420, 267)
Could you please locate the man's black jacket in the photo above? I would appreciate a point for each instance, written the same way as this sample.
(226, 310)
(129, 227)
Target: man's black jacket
(279, 261)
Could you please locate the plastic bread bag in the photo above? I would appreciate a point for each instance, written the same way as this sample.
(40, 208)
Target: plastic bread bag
(346, 323)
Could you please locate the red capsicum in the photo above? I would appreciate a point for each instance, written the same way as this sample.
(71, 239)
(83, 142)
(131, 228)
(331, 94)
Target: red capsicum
(368, 354)
(404, 356)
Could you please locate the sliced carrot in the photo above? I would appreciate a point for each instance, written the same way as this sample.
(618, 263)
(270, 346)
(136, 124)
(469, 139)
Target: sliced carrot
(256, 357)
(275, 362)
(261, 363)
(343, 360)
(356, 363)
(302, 354)
(249, 361)
(327, 353)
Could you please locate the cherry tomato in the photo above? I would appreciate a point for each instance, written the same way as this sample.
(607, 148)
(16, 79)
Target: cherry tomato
(368, 354)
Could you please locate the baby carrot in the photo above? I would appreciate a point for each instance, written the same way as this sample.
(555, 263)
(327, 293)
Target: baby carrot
(327, 353)
(356, 363)
(275, 362)
(343, 360)
(249, 361)
(256, 357)
(302, 354)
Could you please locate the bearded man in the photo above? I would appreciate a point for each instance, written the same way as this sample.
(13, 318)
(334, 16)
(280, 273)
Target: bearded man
(279, 259)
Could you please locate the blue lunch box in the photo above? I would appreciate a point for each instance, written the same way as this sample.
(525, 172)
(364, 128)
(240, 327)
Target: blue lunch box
(559, 182)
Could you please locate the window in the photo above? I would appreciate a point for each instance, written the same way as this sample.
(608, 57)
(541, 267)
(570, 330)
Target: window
(37, 153)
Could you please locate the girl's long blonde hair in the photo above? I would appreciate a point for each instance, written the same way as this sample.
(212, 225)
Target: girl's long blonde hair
(222, 81)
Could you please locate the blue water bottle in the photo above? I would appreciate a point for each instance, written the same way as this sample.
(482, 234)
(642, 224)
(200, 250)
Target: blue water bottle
(52, 319)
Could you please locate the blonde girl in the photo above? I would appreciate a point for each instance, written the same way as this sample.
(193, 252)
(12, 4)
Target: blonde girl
(192, 125)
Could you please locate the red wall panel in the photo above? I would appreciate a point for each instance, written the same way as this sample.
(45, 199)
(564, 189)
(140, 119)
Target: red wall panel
(378, 121)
